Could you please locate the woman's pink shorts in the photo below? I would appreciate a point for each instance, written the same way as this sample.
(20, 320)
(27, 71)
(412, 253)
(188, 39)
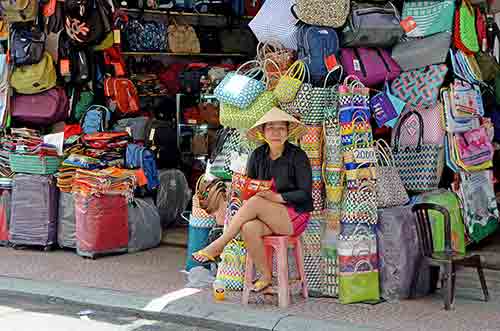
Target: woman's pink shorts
(299, 221)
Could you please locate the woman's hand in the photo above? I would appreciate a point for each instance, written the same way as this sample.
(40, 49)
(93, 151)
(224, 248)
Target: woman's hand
(271, 196)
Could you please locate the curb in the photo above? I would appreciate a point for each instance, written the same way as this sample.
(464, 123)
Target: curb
(186, 311)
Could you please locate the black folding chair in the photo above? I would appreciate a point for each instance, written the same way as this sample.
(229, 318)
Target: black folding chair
(448, 259)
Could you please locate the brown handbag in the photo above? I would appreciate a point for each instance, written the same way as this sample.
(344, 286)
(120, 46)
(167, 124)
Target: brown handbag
(209, 113)
(182, 38)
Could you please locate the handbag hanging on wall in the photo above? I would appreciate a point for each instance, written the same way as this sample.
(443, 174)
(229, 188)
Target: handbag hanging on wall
(430, 16)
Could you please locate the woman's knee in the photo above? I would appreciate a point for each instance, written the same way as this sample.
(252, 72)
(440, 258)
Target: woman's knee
(251, 230)
(255, 202)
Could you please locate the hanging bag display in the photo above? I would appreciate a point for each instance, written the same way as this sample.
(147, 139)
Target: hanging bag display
(19, 10)
(420, 166)
(35, 78)
(241, 89)
(390, 189)
(430, 16)
(235, 117)
(278, 58)
(360, 204)
(290, 83)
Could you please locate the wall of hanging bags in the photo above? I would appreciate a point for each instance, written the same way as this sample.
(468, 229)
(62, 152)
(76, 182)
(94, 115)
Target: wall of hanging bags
(424, 77)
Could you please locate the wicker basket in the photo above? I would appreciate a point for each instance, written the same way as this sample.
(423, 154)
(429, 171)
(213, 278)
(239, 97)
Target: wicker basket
(34, 164)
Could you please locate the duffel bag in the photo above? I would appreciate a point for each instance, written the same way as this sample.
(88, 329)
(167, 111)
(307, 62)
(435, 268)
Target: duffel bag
(41, 109)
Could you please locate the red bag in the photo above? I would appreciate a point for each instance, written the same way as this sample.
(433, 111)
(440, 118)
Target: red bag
(249, 187)
(482, 30)
(169, 77)
(122, 94)
(252, 7)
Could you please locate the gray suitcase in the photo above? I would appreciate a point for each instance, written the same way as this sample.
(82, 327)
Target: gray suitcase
(144, 225)
(34, 211)
(399, 254)
(66, 224)
(173, 196)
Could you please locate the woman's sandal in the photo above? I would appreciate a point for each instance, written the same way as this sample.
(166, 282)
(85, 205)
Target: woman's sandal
(202, 257)
(261, 285)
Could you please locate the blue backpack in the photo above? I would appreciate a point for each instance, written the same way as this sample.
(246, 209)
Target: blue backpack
(138, 156)
(315, 44)
(96, 119)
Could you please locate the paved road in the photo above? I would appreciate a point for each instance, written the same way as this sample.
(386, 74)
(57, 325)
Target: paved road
(19, 313)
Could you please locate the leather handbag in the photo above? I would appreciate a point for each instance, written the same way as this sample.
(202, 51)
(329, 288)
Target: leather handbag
(372, 66)
(26, 46)
(417, 53)
(420, 166)
(317, 12)
(420, 87)
(182, 39)
(430, 16)
(390, 189)
(372, 25)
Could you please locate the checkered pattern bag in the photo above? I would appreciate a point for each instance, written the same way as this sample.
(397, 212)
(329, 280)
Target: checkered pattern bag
(221, 166)
(360, 205)
(234, 117)
(311, 142)
(231, 269)
(420, 87)
(333, 155)
(311, 239)
(420, 166)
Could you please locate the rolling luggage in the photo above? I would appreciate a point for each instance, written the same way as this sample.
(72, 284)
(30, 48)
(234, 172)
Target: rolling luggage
(101, 225)
(144, 225)
(5, 201)
(66, 222)
(34, 211)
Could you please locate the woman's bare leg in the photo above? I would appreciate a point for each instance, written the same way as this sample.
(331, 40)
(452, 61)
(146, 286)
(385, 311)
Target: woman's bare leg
(272, 214)
(253, 233)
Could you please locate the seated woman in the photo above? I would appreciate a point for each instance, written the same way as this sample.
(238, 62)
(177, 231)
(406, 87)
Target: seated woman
(284, 212)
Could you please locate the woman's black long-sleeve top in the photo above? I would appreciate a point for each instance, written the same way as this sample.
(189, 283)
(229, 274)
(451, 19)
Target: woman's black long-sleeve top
(291, 172)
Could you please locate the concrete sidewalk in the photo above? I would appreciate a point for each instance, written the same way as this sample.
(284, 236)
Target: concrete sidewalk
(145, 283)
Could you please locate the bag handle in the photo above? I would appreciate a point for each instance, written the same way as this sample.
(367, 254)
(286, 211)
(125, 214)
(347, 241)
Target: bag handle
(384, 150)
(362, 262)
(403, 119)
(332, 71)
(297, 70)
(364, 231)
(258, 66)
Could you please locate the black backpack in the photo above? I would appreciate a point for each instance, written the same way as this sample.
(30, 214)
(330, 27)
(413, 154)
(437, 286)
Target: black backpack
(79, 60)
(93, 28)
(27, 46)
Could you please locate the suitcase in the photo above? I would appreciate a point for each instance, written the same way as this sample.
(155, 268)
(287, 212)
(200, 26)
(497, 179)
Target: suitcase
(399, 254)
(34, 211)
(144, 225)
(5, 202)
(101, 225)
(66, 222)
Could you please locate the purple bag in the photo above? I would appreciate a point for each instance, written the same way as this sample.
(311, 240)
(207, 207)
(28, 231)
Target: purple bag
(372, 66)
(383, 108)
(45, 108)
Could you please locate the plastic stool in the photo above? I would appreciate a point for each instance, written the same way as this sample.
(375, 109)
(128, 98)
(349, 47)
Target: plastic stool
(280, 245)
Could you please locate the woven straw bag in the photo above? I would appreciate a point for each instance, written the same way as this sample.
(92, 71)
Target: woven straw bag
(290, 83)
(333, 13)
(390, 189)
(182, 38)
(276, 58)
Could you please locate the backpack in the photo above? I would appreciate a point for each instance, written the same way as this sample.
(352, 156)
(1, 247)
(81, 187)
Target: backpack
(81, 100)
(27, 46)
(35, 78)
(316, 45)
(74, 64)
(138, 156)
(96, 119)
(90, 29)
(122, 95)
(16, 11)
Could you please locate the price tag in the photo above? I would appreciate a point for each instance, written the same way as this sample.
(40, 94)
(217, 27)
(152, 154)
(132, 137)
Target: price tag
(408, 24)
(64, 67)
(357, 65)
(117, 36)
(330, 62)
(129, 130)
(152, 134)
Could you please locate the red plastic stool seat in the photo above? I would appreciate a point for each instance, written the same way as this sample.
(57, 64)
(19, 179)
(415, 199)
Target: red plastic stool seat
(280, 245)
